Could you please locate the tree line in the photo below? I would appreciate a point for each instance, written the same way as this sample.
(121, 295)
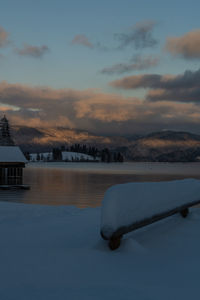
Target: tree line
(104, 155)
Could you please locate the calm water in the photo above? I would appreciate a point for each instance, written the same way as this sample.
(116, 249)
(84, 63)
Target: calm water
(84, 184)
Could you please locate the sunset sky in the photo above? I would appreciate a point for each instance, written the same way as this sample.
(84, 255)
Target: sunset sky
(110, 67)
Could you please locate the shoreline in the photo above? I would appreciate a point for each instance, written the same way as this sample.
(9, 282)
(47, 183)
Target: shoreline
(130, 168)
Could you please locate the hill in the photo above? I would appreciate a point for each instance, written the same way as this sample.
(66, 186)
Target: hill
(167, 146)
(44, 139)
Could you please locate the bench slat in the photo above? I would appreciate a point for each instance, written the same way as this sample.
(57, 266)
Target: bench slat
(148, 221)
(131, 206)
(129, 203)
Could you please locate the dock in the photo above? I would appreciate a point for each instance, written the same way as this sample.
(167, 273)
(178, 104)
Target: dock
(15, 187)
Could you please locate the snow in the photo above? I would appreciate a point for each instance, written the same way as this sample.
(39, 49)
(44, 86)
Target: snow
(33, 156)
(125, 204)
(57, 253)
(11, 154)
(75, 155)
(65, 156)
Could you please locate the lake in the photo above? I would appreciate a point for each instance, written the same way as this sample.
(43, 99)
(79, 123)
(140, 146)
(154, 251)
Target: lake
(84, 184)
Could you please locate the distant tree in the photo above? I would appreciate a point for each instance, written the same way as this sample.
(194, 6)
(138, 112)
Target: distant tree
(57, 154)
(109, 156)
(106, 155)
(27, 155)
(38, 157)
(103, 156)
(84, 149)
(120, 157)
(115, 157)
(5, 135)
(72, 149)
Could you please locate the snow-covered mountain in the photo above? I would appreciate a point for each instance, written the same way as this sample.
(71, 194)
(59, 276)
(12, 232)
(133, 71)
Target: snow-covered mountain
(158, 146)
(166, 146)
(44, 139)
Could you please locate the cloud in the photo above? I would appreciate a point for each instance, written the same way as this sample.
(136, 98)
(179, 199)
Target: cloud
(137, 63)
(189, 79)
(3, 37)
(184, 87)
(140, 36)
(137, 81)
(97, 112)
(33, 51)
(82, 40)
(6, 108)
(187, 46)
(180, 94)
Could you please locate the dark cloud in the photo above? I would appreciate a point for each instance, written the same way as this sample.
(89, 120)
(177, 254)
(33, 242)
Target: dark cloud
(183, 88)
(3, 37)
(140, 36)
(137, 81)
(183, 94)
(187, 46)
(189, 79)
(81, 39)
(137, 63)
(33, 51)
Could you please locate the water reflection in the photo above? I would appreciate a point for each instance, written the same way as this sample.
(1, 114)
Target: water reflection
(59, 185)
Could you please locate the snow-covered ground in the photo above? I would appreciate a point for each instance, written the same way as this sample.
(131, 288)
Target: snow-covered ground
(75, 156)
(65, 156)
(50, 253)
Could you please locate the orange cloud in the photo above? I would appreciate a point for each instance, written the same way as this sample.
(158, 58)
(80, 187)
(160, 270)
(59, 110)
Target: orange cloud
(6, 108)
(3, 37)
(94, 111)
(81, 39)
(187, 46)
(34, 51)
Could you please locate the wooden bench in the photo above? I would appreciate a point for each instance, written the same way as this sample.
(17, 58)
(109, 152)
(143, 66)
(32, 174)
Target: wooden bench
(114, 231)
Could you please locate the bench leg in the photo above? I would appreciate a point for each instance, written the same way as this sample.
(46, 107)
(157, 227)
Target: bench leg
(184, 212)
(114, 243)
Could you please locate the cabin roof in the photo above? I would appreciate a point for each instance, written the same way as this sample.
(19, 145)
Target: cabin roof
(11, 154)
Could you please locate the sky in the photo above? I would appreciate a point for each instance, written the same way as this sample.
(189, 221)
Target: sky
(109, 67)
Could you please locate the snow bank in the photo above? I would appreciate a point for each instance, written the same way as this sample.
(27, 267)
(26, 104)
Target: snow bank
(57, 253)
(65, 156)
(46, 155)
(76, 156)
(127, 203)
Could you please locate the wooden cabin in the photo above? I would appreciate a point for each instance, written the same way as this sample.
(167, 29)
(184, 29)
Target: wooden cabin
(12, 162)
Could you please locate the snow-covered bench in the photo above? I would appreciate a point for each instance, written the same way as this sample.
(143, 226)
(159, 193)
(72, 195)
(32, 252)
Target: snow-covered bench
(130, 206)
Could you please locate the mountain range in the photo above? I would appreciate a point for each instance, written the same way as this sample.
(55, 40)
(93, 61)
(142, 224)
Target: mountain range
(164, 146)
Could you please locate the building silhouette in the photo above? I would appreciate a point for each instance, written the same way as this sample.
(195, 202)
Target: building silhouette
(12, 160)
